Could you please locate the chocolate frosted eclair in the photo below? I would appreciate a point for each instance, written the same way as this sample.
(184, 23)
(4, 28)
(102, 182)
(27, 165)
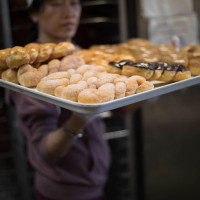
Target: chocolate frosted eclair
(161, 71)
(140, 68)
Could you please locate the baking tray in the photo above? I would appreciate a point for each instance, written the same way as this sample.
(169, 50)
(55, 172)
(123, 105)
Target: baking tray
(160, 89)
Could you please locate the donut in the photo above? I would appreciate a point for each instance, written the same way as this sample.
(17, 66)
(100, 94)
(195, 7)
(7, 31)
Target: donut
(29, 76)
(17, 57)
(45, 52)
(3, 55)
(33, 51)
(62, 49)
(194, 66)
(10, 75)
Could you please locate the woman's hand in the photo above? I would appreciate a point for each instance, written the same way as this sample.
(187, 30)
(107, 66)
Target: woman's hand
(78, 121)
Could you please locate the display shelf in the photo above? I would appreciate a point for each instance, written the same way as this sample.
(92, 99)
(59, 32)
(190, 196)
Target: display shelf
(160, 89)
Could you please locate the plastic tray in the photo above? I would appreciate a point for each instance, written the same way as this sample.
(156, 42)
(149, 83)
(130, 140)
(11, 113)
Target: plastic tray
(160, 89)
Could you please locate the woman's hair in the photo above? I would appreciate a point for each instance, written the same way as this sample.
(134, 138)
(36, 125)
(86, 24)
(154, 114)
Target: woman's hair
(35, 7)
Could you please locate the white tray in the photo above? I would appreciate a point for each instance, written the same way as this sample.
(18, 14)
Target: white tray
(159, 89)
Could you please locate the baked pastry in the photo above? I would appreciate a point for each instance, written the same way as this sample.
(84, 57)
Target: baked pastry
(70, 92)
(17, 56)
(10, 75)
(103, 94)
(33, 51)
(49, 83)
(161, 71)
(71, 62)
(3, 55)
(29, 76)
(194, 66)
(45, 52)
(53, 66)
(62, 49)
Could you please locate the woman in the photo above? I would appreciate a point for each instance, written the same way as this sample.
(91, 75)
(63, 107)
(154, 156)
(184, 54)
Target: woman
(66, 168)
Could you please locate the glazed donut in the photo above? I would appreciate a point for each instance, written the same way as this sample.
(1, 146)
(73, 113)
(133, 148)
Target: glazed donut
(29, 76)
(10, 75)
(33, 51)
(62, 49)
(71, 62)
(45, 52)
(17, 56)
(71, 92)
(3, 54)
(103, 94)
(191, 50)
(194, 66)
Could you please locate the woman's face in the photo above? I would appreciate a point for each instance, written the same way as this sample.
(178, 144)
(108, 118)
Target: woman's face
(58, 20)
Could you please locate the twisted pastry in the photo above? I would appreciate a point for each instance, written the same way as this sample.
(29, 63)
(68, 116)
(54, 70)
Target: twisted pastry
(70, 92)
(29, 76)
(71, 62)
(34, 53)
(161, 71)
(92, 91)
(103, 94)
(49, 83)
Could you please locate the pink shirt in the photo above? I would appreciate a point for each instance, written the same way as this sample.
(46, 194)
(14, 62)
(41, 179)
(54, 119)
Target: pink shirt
(82, 172)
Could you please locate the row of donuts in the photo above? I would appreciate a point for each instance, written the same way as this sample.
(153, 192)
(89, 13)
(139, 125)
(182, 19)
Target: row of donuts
(33, 53)
(91, 84)
(28, 75)
(144, 51)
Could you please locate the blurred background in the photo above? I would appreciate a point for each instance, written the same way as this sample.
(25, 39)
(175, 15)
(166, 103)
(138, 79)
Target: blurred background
(155, 151)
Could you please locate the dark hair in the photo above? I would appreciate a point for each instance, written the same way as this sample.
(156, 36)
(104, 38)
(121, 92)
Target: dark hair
(35, 7)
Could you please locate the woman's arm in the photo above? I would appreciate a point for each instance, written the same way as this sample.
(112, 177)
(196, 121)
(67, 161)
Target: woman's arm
(60, 141)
